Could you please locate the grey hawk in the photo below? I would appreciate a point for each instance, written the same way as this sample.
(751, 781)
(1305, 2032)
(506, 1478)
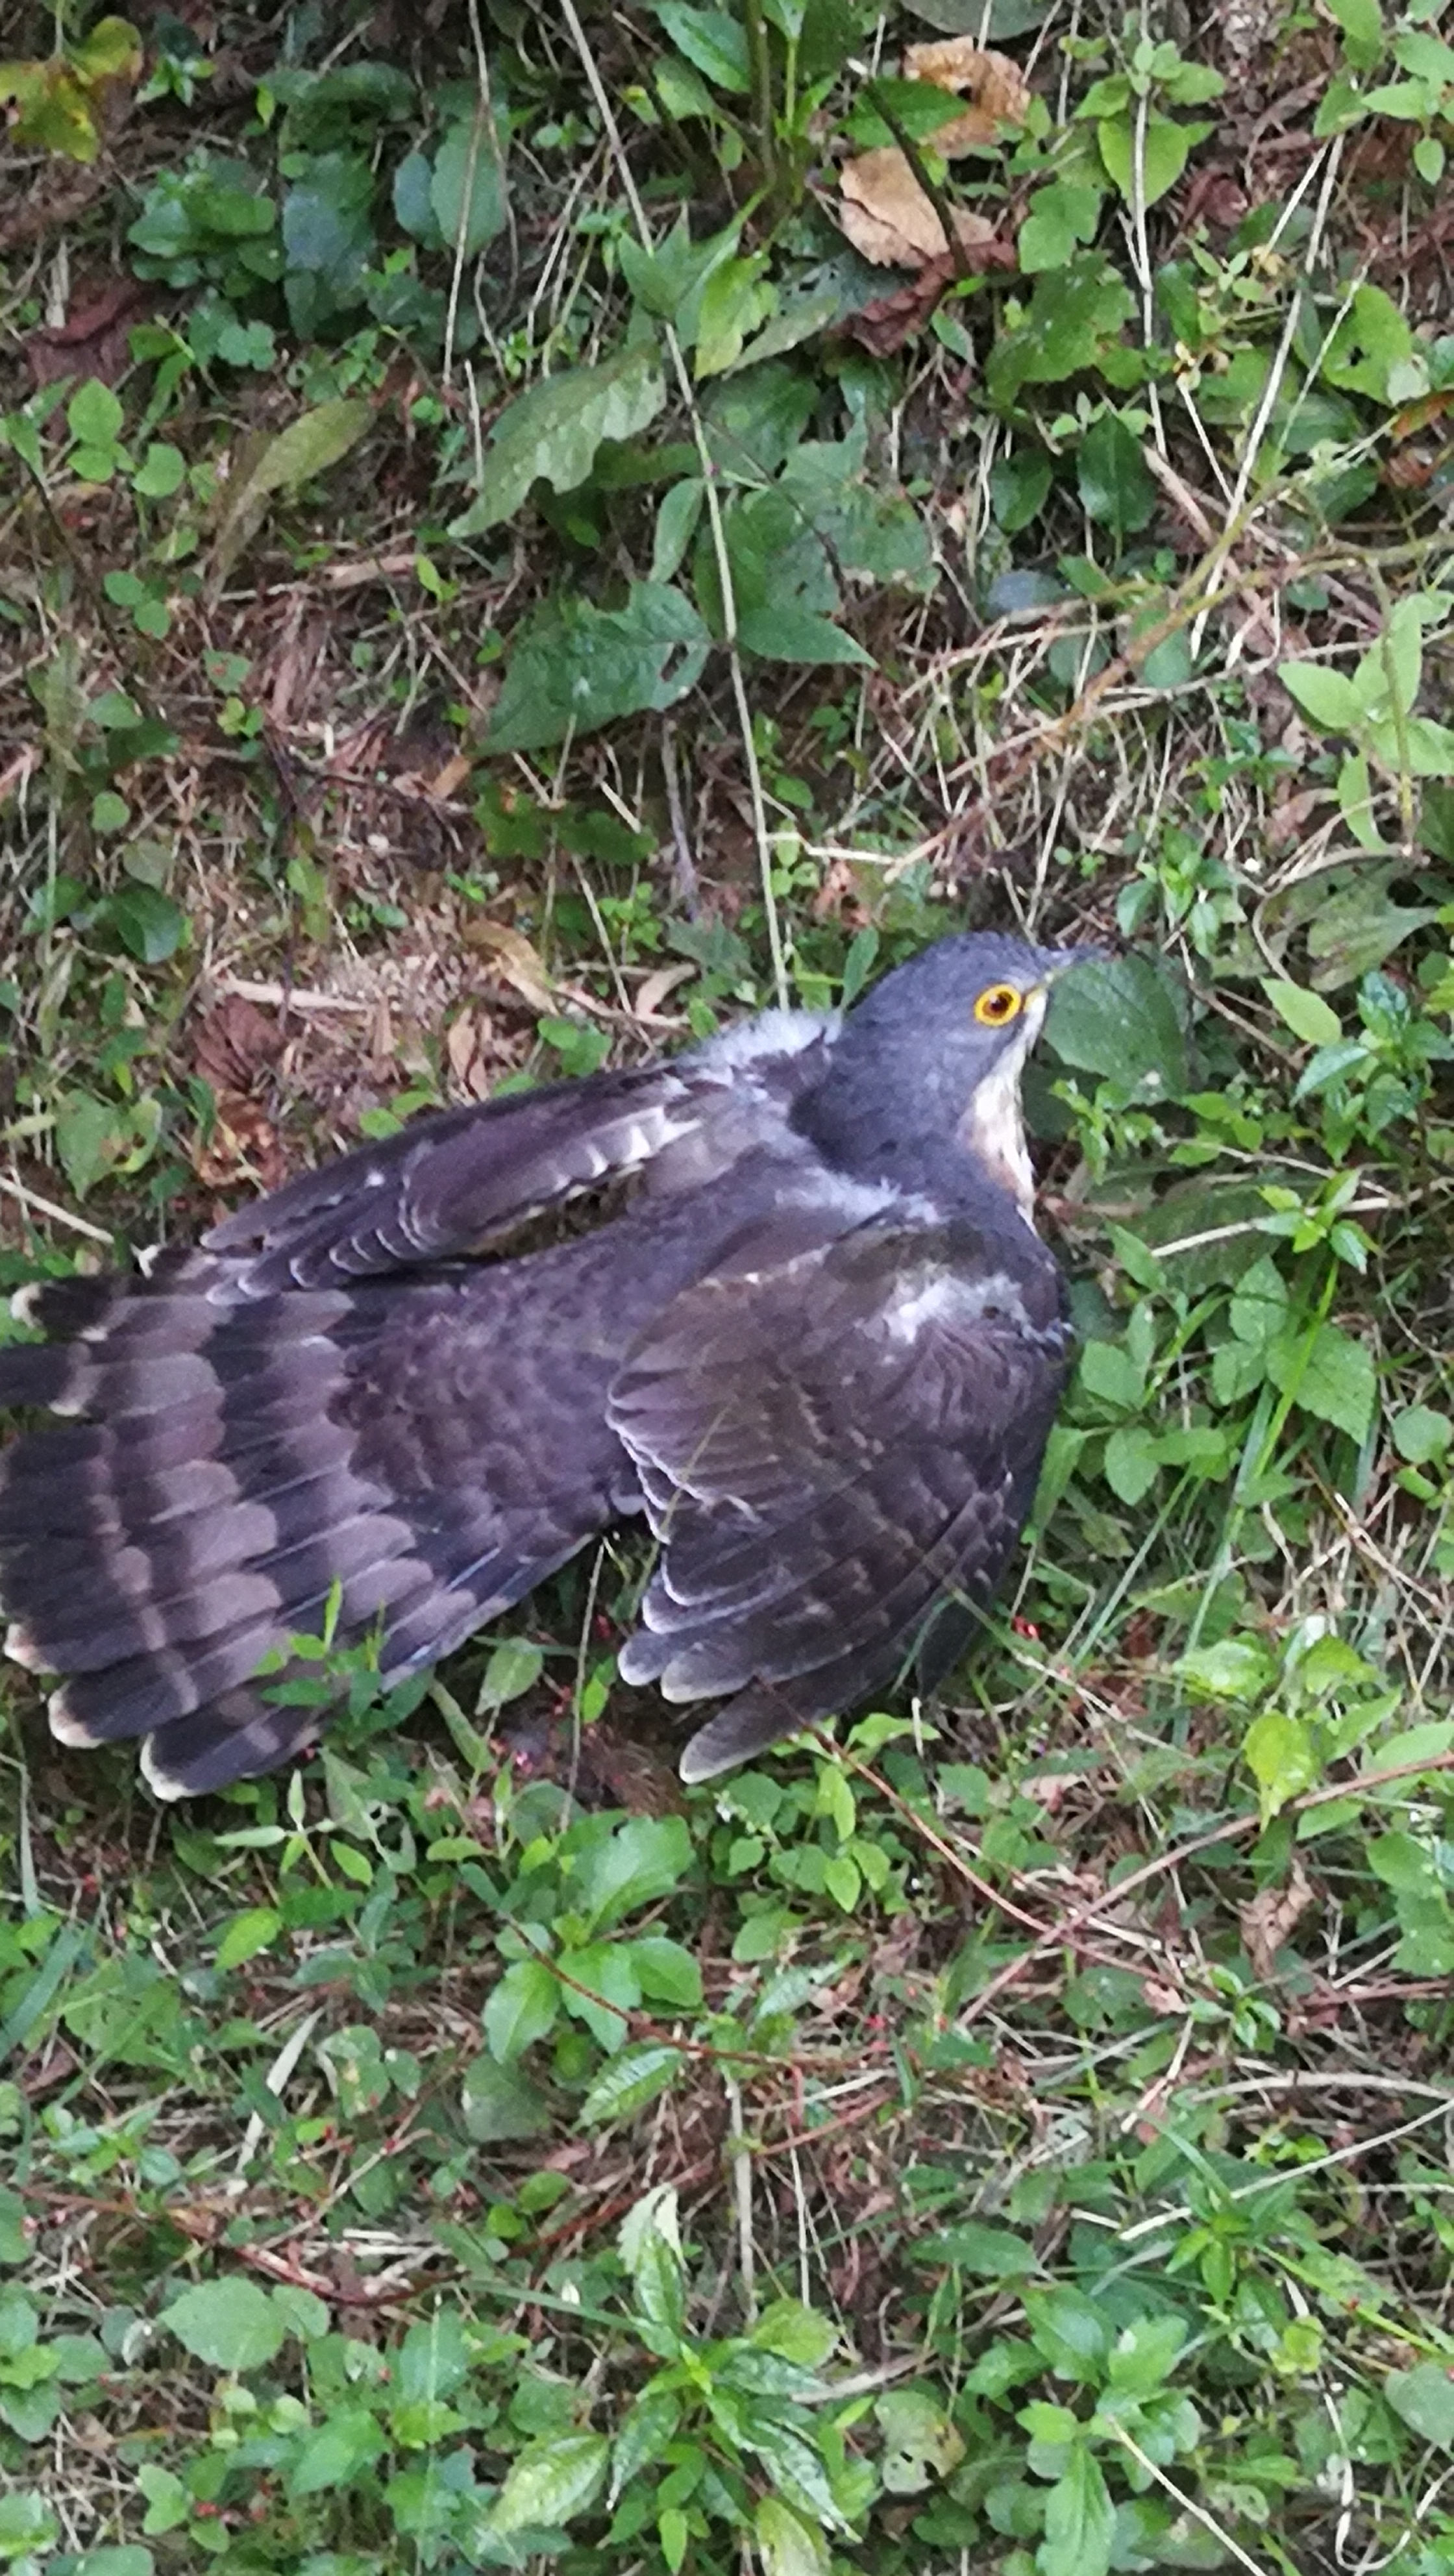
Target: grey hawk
(812, 1335)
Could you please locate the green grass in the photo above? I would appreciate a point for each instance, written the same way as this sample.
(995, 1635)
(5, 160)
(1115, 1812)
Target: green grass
(443, 643)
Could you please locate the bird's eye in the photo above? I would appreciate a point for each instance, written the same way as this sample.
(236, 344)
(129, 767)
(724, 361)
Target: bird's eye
(998, 1005)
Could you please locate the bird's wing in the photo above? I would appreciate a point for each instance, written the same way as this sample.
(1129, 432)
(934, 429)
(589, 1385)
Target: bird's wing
(834, 1436)
(454, 1184)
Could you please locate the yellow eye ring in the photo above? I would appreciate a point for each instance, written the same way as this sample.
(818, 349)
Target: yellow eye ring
(998, 1004)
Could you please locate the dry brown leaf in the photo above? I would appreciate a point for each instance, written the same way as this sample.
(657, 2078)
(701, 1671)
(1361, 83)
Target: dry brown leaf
(996, 88)
(887, 216)
(519, 963)
(234, 1043)
(1269, 1919)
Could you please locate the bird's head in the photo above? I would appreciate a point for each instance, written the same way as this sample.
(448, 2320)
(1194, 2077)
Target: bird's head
(927, 1066)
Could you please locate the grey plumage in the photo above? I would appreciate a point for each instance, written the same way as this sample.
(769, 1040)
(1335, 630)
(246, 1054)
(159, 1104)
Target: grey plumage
(820, 1346)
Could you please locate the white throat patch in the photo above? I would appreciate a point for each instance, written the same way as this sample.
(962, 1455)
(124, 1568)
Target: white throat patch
(993, 1126)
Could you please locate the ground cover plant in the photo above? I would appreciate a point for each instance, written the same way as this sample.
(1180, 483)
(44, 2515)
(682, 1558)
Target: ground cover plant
(525, 533)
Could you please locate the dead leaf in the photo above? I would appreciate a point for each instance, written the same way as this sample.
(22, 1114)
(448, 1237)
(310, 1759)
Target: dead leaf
(653, 991)
(94, 342)
(519, 963)
(243, 1145)
(1268, 1920)
(883, 326)
(234, 1043)
(887, 216)
(995, 86)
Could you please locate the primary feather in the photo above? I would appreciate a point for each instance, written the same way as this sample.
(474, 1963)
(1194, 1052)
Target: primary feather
(821, 1346)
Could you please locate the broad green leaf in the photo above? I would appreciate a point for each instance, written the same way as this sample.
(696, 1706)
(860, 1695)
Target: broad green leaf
(1280, 1755)
(797, 2333)
(333, 2454)
(550, 2482)
(434, 2359)
(1080, 2521)
(1420, 1435)
(1236, 1668)
(650, 2425)
(1075, 315)
(1328, 697)
(1069, 2330)
(88, 1138)
(788, 2544)
(575, 667)
(522, 2008)
(1131, 1463)
(1371, 337)
(1328, 1374)
(514, 1667)
(1166, 144)
(230, 2324)
(1258, 1308)
(1307, 1015)
(1424, 2397)
(1362, 25)
(644, 1860)
(551, 435)
(94, 415)
(668, 1973)
(26, 2520)
(603, 1988)
(1118, 1019)
(467, 190)
(147, 922)
(990, 2253)
(1107, 1370)
(499, 2102)
(713, 43)
(308, 447)
(1144, 2354)
(247, 1934)
(921, 2442)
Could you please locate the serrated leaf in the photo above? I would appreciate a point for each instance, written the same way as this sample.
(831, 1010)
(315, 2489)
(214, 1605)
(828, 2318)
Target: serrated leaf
(551, 434)
(230, 2324)
(551, 2482)
(1080, 2521)
(1327, 1374)
(627, 2083)
(575, 667)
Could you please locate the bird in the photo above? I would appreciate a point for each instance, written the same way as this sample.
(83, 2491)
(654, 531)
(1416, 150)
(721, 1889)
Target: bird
(798, 1316)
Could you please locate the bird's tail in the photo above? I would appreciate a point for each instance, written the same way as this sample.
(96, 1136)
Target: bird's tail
(231, 1468)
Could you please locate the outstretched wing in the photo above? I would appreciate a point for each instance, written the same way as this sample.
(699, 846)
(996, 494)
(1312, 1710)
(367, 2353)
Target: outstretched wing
(453, 1184)
(835, 1437)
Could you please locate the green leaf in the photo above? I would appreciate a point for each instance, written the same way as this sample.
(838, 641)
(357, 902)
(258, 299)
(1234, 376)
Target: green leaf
(26, 2524)
(1328, 697)
(1307, 1015)
(713, 43)
(309, 445)
(499, 2102)
(522, 2008)
(333, 2454)
(551, 2482)
(88, 1139)
(247, 1934)
(162, 471)
(575, 667)
(147, 922)
(788, 2544)
(1371, 337)
(230, 2324)
(1115, 488)
(627, 2083)
(1076, 313)
(1166, 146)
(990, 2253)
(514, 1667)
(1420, 1435)
(551, 433)
(1424, 2397)
(645, 1859)
(1069, 2331)
(94, 415)
(1080, 2521)
(603, 1988)
(1279, 1753)
(1329, 1374)
(1236, 1668)
(168, 2502)
(921, 2442)
(467, 190)
(1118, 1019)
(668, 1973)
(1131, 1463)
(1257, 1312)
